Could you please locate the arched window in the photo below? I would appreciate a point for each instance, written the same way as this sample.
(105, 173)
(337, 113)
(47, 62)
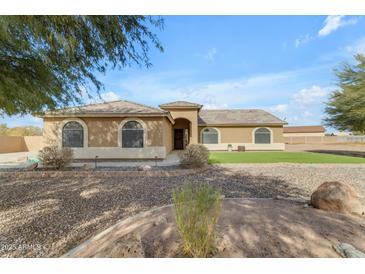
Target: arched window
(262, 136)
(210, 136)
(132, 134)
(72, 134)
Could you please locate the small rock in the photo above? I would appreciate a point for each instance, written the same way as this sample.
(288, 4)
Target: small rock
(31, 167)
(144, 168)
(160, 220)
(348, 251)
(87, 166)
(306, 205)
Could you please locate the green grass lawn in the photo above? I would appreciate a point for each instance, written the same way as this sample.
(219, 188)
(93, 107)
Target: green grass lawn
(280, 157)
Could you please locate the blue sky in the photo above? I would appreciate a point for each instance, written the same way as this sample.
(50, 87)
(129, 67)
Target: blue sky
(283, 64)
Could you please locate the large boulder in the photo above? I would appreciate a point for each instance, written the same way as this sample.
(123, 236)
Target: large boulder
(338, 197)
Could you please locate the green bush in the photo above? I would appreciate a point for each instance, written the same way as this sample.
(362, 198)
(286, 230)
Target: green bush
(195, 155)
(197, 211)
(55, 157)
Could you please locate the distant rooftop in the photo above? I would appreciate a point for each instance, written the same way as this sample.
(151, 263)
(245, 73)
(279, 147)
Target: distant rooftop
(304, 129)
(237, 117)
(180, 104)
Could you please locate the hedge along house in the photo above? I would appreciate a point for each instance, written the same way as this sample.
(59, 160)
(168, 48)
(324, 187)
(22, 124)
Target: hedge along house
(128, 130)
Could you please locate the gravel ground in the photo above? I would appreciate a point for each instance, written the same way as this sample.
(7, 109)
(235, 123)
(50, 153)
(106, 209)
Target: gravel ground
(306, 177)
(46, 213)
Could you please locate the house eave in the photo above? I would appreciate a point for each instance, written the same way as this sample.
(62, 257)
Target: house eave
(107, 114)
(180, 107)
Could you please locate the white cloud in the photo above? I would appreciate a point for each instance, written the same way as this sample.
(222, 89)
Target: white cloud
(210, 54)
(304, 107)
(215, 106)
(302, 40)
(307, 114)
(109, 96)
(357, 47)
(333, 22)
(155, 89)
(272, 91)
(104, 97)
(309, 95)
(281, 108)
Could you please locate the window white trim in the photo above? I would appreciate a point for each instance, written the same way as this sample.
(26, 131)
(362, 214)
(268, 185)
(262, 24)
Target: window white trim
(84, 127)
(201, 134)
(120, 127)
(271, 135)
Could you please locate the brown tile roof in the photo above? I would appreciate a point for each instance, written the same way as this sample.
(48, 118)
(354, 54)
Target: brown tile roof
(180, 104)
(115, 107)
(304, 129)
(237, 117)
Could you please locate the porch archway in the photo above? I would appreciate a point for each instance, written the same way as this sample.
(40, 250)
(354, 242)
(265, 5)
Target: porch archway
(181, 133)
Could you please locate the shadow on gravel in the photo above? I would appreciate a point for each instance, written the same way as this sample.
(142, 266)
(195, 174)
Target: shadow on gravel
(52, 214)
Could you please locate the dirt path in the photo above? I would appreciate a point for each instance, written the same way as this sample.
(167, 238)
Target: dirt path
(247, 228)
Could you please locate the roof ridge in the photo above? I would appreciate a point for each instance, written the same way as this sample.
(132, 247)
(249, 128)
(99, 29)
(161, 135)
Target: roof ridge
(114, 101)
(180, 101)
(92, 104)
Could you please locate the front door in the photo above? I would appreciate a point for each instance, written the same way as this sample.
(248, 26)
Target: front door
(179, 138)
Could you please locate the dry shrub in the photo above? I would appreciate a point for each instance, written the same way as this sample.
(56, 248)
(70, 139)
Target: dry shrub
(55, 157)
(197, 211)
(195, 155)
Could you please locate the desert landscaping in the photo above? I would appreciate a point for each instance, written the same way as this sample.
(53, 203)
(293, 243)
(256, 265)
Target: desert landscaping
(47, 213)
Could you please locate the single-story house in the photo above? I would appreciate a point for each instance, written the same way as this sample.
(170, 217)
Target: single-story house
(304, 131)
(127, 130)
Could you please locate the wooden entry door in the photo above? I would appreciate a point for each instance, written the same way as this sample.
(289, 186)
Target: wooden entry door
(179, 138)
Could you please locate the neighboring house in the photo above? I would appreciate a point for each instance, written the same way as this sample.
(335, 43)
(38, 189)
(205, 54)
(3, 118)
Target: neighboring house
(304, 131)
(128, 130)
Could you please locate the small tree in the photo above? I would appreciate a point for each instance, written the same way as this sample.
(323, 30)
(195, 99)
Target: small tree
(195, 155)
(49, 62)
(346, 106)
(55, 157)
(197, 211)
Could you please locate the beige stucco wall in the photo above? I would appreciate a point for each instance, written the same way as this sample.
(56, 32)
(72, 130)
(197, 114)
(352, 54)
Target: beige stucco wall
(102, 135)
(168, 135)
(244, 134)
(10, 144)
(103, 131)
(192, 116)
(33, 143)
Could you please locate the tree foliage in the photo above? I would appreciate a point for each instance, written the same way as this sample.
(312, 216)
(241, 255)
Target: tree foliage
(20, 131)
(47, 61)
(346, 106)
